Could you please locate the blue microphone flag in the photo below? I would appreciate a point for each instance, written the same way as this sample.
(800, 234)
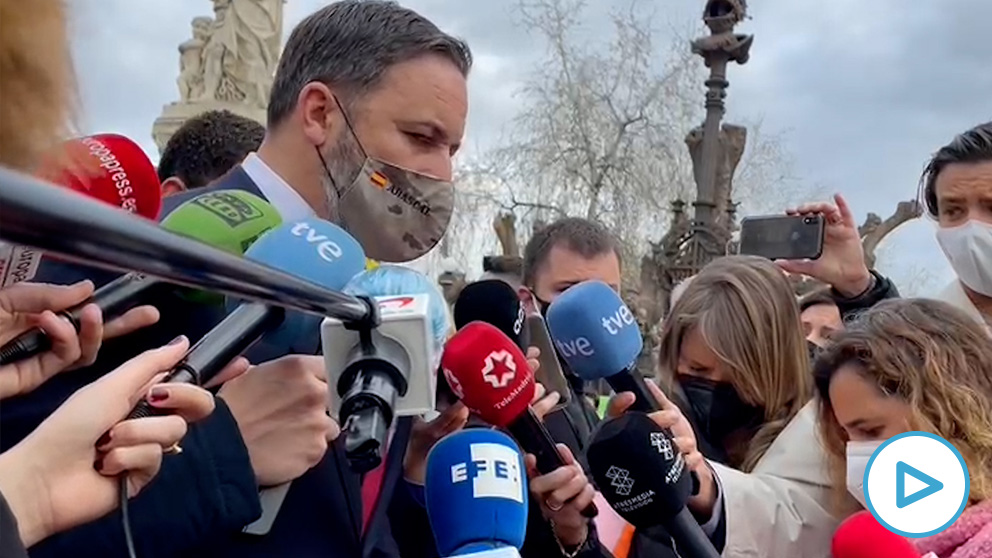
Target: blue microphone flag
(313, 249)
(594, 331)
(476, 492)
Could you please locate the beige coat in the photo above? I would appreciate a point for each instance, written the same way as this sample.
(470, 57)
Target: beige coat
(780, 510)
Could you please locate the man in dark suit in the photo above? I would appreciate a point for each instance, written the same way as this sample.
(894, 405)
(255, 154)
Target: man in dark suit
(367, 109)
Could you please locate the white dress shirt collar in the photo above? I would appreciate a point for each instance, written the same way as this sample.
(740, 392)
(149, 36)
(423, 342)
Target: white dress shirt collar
(287, 201)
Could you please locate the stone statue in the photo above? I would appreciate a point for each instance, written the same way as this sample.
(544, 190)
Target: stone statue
(190, 79)
(228, 64)
(733, 139)
(241, 55)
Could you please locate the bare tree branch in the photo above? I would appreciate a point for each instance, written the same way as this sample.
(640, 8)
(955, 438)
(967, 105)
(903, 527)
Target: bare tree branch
(874, 229)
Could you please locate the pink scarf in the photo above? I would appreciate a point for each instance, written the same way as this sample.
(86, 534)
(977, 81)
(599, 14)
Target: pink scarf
(969, 537)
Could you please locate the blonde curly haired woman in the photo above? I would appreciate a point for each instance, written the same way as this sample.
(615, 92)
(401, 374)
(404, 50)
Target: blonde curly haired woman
(912, 365)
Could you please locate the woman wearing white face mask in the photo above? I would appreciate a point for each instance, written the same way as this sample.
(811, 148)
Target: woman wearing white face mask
(957, 189)
(911, 365)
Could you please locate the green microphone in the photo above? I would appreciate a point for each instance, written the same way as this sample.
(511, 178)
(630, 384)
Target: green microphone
(227, 219)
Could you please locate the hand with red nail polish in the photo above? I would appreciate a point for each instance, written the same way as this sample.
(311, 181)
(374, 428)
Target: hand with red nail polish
(66, 472)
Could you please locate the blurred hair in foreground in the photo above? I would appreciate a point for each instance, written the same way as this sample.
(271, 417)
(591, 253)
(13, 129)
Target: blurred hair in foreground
(37, 87)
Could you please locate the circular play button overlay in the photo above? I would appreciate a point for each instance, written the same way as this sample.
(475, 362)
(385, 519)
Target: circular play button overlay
(916, 484)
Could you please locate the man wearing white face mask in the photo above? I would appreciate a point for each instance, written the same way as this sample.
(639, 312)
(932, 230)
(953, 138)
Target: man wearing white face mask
(957, 190)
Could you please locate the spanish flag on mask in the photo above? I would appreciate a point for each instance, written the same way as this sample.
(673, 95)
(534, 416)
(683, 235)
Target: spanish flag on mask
(379, 179)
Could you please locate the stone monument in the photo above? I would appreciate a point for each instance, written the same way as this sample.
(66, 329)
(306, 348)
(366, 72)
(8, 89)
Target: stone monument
(228, 64)
(716, 150)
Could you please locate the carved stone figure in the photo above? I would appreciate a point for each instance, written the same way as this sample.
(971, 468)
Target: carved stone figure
(190, 79)
(228, 64)
(241, 55)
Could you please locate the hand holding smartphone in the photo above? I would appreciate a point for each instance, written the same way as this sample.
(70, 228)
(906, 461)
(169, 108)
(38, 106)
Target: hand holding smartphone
(783, 237)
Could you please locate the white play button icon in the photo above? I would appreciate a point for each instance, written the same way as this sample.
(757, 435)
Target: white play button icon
(916, 484)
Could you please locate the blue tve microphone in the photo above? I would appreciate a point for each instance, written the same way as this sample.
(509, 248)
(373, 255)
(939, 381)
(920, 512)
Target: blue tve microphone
(598, 337)
(312, 249)
(476, 495)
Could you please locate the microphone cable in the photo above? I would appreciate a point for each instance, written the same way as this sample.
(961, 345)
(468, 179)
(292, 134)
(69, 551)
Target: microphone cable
(181, 374)
(126, 518)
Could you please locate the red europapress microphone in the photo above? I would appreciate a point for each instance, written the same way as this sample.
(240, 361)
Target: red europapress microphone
(107, 167)
(110, 168)
(490, 374)
(862, 536)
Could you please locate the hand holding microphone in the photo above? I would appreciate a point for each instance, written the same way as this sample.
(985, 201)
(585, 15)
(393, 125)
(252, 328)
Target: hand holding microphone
(227, 219)
(491, 375)
(643, 475)
(563, 495)
(28, 306)
(65, 472)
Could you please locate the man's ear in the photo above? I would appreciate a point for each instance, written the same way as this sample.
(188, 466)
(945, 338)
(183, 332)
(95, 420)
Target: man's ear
(173, 185)
(316, 108)
(527, 299)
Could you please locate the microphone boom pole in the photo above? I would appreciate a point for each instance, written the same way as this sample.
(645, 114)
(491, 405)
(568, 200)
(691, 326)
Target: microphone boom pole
(37, 214)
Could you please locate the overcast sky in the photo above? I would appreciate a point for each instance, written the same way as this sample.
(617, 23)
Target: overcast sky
(864, 90)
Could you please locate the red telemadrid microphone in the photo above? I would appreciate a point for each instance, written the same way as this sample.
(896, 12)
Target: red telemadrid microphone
(862, 536)
(106, 167)
(490, 374)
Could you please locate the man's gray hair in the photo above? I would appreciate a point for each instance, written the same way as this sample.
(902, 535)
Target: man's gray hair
(350, 45)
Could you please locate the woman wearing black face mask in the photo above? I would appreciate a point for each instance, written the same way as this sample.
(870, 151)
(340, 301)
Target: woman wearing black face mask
(734, 358)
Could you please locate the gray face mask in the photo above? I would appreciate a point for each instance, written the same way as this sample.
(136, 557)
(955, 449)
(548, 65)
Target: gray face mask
(396, 214)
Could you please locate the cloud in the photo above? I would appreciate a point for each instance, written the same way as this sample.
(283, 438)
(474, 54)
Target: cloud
(864, 91)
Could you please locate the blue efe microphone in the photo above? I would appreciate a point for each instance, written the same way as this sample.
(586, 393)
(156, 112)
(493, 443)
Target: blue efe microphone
(476, 495)
(598, 337)
(312, 249)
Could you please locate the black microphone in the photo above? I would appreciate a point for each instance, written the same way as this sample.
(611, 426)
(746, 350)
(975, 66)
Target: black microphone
(496, 303)
(205, 218)
(642, 474)
(233, 336)
(114, 299)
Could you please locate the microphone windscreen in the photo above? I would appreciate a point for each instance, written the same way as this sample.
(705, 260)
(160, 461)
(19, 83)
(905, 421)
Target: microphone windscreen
(862, 536)
(475, 492)
(639, 470)
(594, 331)
(315, 250)
(394, 280)
(110, 168)
(495, 303)
(231, 220)
(489, 373)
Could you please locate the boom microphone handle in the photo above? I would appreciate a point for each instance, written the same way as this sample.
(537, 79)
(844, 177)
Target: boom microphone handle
(633, 382)
(535, 438)
(113, 299)
(232, 337)
(690, 541)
